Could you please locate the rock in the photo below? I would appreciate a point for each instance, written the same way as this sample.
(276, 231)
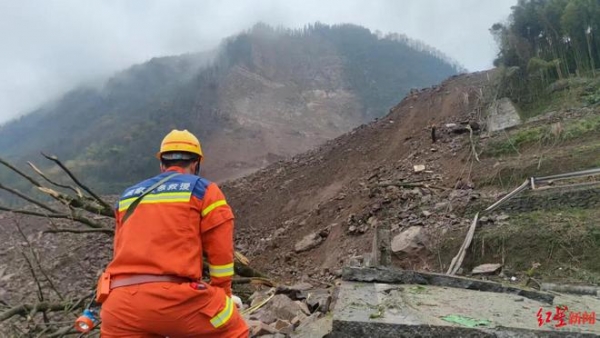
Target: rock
(296, 320)
(308, 321)
(303, 307)
(258, 297)
(502, 217)
(441, 205)
(485, 269)
(279, 232)
(318, 300)
(284, 326)
(309, 241)
(426, 213)
(355, 261)
(282, 307)
(419, 168)
(352, 229)
(302, 286)
(264, 316)
(410, 241)
(324, 233)
(258, 328)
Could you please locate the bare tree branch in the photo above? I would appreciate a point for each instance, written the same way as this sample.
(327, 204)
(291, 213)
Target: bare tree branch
(27, 198)
(24, 309)
(27, 177)
(104, 209)
(39, 265)
(33, 213)
(77, 203)
(37, 281)
(77, 191)
(253, 280)
(79, 231)
(75, 216)
(88, 190)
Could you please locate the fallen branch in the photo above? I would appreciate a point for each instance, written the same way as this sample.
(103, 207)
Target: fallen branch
(27, 198)
(75, 190)
(472, 143)
(412, 185)
(79, 231)
(33, 213)
(254, 280)
(27, 177)
(39, 266)
(458, 259)
(25, 309)
(78, 203)
(246, 271)
(66, 199)
(84, 187)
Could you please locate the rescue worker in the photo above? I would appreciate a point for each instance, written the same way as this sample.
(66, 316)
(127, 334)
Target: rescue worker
(156, 271)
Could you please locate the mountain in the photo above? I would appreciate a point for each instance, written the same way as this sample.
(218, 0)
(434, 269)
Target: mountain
(263, 95)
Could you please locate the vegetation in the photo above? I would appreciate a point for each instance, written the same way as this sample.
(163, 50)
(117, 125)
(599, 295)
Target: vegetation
(564, 244)
(545, 41)
(545, 135)
(108, 135)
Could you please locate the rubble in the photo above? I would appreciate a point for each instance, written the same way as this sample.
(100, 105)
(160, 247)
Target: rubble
(290, 310)
(309, 241)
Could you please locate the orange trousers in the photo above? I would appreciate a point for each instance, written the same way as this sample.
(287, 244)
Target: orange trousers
(158, 310)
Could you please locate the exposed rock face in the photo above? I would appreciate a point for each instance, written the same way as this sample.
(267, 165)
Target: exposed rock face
(410, 241)
(502, 114)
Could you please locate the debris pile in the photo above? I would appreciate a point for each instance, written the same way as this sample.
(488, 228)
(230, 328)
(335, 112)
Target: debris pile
(307, 217)
(284, 310)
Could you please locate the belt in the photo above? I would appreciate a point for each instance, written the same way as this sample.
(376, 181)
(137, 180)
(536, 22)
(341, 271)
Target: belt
(142, 279)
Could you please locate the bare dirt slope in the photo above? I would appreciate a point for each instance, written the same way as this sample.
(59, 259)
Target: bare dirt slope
(339, 190)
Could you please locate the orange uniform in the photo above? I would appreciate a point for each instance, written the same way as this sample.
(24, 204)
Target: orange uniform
(166, 235)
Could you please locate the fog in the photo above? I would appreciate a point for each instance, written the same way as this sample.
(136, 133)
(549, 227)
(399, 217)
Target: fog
(49, 47)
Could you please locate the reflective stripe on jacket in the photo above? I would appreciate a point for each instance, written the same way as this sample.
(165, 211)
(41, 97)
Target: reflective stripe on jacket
(171, 228)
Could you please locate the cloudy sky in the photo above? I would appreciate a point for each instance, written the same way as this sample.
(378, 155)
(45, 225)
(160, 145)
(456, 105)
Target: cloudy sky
(50, 46)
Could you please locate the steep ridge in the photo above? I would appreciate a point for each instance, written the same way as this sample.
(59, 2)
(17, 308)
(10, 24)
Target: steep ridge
(329, 190)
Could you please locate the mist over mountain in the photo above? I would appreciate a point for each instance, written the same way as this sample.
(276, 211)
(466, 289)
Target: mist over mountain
(263, 95)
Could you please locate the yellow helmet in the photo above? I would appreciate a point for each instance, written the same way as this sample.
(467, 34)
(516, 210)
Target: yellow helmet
(180, 141)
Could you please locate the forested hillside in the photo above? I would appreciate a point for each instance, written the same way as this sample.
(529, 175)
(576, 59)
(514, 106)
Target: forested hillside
(262, 95)
(545, 41)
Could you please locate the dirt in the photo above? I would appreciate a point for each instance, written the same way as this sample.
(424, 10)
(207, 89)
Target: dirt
(338, 184)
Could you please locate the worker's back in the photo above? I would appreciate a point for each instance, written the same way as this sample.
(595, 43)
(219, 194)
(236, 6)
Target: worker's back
(162, 236)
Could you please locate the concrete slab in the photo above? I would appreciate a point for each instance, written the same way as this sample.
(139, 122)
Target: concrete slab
(410, 310)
